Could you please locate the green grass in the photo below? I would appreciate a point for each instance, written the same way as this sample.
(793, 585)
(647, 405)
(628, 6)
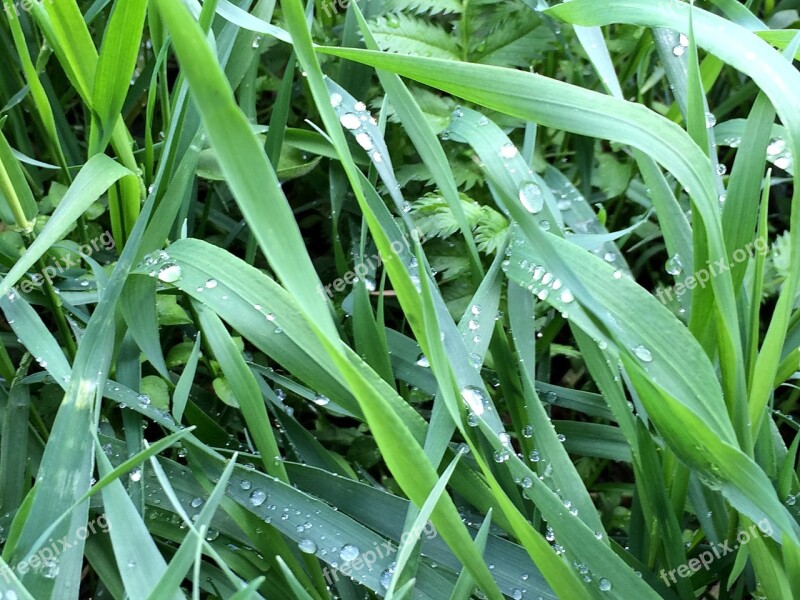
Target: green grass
(571, 373)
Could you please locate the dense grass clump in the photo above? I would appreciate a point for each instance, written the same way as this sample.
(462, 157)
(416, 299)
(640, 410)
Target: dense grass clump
(403, 299)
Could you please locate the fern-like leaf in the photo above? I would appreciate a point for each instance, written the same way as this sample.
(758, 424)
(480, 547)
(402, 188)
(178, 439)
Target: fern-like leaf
(405, 34)
(514, 43)
(431, 7)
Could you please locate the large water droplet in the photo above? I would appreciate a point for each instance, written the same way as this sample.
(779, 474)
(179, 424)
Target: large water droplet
(386, 576)
(365, 141)
(307, 546)
(350, 121)
(604, 585)
(674, 265)
(531, 197)
(169, 273)
(776, 147)
(474, 397)
(642, 353)
(508, 151)
(258, 497)
(349, 552)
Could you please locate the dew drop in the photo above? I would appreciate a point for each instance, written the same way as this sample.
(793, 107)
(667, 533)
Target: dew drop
(258, 497)
(776, 147)
(307, 546)
(508, 151)
(169, 274)
(531, 197)
(674, 266)
(350, 121)
(643, 353)
(349, 552)
(365, 141)
(474, 397)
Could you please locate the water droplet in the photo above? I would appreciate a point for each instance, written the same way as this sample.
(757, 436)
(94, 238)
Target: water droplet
(642, 353)
(349, 552)
(678, 50)
(350, 121)
(422, 361)
(567, 297)
(386, 576)
(135, 475)
(508, 151)
(365, 141)
(531, 197)
(711, 120)
(562, 438)
(245, 484)
(211, 284)
(307, 546)
(475, 360)
(169, 273)
(321, 400)
(674, 265)
(196, 502)
(475, 398)
(784, 162)
(501, 456)
(527, 431)
(336, 100)
(721, 169)
(258, 497)
(776, 146)
(49, 570)
(604, 585)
